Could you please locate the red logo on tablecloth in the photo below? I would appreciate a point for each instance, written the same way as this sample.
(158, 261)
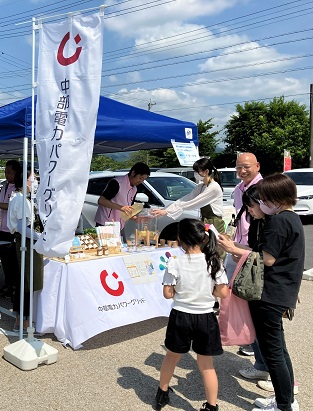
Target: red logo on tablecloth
(116, 292)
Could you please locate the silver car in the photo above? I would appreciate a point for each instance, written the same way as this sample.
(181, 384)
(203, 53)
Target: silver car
(303, 178)
(158, 191)
(229, 180)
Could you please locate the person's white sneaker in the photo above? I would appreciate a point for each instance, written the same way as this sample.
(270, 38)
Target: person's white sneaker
(268, 386)
(269, 404)
(269, 408)
(252, 374)
(265, 385)
(265, 402)
(295, 406)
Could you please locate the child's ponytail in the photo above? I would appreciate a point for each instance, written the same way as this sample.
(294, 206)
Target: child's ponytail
(211, 255)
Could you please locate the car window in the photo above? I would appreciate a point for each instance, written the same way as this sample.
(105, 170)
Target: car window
(171, 188)
(153, 200)
(189, 174)
(229, 178)
(97, 185)
(301, 178)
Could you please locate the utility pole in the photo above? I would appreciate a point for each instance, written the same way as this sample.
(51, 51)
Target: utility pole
(150, 104)
(311, 125)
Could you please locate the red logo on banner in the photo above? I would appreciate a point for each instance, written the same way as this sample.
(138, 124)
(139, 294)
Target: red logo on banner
(66, 61)
(116, 292)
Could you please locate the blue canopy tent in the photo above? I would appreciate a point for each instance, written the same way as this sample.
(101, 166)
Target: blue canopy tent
(120, 127)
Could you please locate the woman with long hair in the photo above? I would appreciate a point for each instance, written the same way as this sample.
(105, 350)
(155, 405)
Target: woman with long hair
(206, 196)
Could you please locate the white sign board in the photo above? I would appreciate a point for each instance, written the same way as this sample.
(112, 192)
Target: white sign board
(187, 153)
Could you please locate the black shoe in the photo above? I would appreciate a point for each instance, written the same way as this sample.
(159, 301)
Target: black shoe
(2, 290)
(5, 292)
(246, 350)
(208, 407)
(162, 398)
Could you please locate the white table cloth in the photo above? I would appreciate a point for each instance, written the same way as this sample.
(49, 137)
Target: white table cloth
(82, 299)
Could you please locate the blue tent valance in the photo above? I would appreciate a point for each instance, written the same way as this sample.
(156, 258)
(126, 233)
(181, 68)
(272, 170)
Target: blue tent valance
(120, 127)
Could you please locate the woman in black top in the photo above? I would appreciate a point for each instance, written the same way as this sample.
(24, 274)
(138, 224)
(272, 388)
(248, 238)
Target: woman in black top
(282, 245)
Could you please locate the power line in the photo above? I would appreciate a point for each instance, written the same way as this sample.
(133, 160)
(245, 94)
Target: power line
(206, 37)
(212, 26)
(217, 49)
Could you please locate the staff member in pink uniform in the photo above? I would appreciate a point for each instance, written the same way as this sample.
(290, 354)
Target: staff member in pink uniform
(248, 169)
(119, 195)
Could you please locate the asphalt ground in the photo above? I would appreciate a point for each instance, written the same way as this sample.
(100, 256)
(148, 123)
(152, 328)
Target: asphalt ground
(119, 370)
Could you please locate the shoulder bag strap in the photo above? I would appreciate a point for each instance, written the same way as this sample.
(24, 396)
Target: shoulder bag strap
(239, 214)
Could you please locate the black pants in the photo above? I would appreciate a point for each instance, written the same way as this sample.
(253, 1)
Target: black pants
(268, 322)
(9, 260)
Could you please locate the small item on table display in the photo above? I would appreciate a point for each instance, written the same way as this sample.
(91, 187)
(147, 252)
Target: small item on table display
(110, 236)
(99, 251)
(147, 230)
(88, 243)
(105, 250)
(76, 246)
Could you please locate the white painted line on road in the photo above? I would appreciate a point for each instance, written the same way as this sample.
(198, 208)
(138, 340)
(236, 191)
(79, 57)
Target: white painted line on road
(308, 274)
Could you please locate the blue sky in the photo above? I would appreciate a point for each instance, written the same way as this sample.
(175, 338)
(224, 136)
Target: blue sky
(192, 59)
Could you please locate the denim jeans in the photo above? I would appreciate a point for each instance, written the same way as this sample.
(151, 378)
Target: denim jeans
(260, 363)
(267, 319)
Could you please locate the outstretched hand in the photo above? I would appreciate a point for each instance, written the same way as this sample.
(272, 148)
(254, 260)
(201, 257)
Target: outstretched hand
(158, 212)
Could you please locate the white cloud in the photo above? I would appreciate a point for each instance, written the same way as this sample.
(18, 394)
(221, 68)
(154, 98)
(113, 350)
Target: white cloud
(208, 101)
(251, 55)
(112, 79)
(167, 102)
(134, 76)
(251, 88)
(179, 11)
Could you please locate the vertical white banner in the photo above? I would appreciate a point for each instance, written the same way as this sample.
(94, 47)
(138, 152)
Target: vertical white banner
(69, 79)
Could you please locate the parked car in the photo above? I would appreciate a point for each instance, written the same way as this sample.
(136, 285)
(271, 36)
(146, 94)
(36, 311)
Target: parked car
(229, 181)
(158, 191)
(303, 177)
(228, 177)
(181, 171)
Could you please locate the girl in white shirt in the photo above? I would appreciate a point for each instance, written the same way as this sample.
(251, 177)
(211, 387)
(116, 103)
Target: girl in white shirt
(193, 280)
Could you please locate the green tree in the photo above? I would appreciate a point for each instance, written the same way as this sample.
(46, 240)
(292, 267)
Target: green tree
(207, 138)
(267, 130)
(100, 163)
